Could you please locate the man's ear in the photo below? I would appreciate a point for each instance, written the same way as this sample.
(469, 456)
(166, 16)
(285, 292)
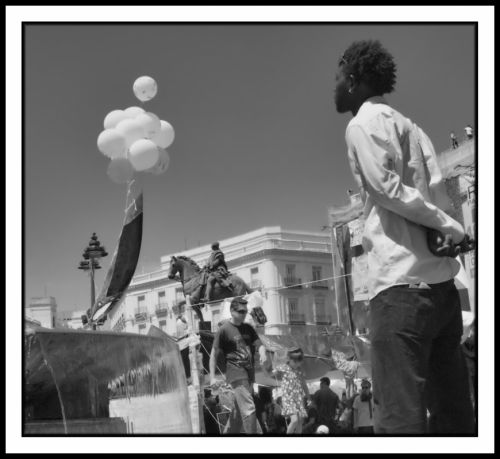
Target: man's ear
(352, 83)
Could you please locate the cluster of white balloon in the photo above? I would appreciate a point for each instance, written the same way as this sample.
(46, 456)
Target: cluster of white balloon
(136, 140)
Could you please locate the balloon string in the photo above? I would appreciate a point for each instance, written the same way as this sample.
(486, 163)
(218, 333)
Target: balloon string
(129, 192)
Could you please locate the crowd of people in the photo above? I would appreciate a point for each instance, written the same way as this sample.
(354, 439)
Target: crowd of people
(322, 412)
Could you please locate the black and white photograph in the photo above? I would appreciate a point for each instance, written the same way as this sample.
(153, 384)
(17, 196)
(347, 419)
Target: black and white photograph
(249, 229)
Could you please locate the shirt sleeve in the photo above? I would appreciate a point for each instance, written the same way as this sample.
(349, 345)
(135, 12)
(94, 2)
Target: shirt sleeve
(372, 150)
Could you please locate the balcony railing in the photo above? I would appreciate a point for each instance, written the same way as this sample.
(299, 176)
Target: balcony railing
(321, 284)
(297, 318)
(294, 282)
(140, 315)
(323, 319)
(161, 309)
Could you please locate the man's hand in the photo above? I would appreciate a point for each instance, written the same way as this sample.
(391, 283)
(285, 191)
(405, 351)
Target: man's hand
(262, 354)
(441, 245)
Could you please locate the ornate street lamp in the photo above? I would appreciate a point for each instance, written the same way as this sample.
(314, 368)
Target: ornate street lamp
(92, 253)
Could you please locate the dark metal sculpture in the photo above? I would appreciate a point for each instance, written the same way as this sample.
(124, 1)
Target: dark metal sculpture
(191, 277)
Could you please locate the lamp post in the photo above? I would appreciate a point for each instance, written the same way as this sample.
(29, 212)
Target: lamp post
(92, 253)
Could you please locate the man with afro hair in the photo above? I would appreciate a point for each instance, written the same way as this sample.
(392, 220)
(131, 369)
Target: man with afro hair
(416, 323)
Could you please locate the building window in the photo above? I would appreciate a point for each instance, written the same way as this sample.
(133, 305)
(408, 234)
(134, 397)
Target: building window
(294, 314)
(161, 306)
(141, 303)
(255, 282)
(321, 314)
(163, 324)
(317, 281)
(142, 328)
(290, 278)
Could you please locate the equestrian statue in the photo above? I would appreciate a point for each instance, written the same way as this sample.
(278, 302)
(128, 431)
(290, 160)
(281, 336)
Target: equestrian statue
(211, 284)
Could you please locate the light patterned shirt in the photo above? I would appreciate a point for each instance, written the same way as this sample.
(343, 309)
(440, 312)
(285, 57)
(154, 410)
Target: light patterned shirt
(403, 192)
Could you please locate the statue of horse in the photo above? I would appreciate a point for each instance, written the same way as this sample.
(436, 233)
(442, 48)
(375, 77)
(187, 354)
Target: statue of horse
(190, 274)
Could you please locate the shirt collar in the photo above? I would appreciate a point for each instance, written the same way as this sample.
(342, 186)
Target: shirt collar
(367, 103)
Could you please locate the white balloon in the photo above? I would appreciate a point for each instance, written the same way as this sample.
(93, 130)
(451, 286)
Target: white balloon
(166, 135)
(163, 162)
(150, 123)
(143, 154)
(113, 118)
(145, 88)
(112, 144)
(120, 170)
(132, 112)
(131, 130)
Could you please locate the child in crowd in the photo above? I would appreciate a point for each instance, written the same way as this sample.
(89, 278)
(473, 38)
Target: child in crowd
(294, 389)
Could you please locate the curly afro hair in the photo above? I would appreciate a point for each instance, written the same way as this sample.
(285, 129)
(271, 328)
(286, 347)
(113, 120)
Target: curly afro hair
(371, 63)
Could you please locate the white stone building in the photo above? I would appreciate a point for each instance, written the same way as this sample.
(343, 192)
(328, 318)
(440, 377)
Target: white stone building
(293, 269)
(459, 169)
(43, 310)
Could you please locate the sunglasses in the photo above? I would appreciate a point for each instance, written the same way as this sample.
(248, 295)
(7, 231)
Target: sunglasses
(242, 311)
(365, 387)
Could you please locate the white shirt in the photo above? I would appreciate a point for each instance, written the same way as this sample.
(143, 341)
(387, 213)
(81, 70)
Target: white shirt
(363, 409)
(401, 189)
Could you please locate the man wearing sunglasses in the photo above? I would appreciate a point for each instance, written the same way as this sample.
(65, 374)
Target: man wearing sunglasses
(363, 410)
(237, 341)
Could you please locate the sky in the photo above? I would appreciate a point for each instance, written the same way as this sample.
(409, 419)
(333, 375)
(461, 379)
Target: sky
(258, 143)
(257, 139)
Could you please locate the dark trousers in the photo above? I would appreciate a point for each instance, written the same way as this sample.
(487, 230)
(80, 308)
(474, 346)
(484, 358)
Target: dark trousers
(417, 362)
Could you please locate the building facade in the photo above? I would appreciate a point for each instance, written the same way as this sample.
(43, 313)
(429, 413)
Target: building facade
(43, 310)
(292, 269)
(459, 169)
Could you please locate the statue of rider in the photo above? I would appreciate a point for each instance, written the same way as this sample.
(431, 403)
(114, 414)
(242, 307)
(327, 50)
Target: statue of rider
(215, 271)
